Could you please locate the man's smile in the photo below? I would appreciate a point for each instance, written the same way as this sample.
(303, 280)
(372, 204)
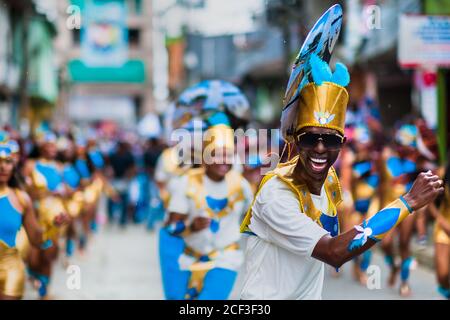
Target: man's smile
(318, 164)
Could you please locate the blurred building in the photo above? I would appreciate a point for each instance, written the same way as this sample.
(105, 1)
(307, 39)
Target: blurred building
(106, 60)
(370, 42)
(227, 40)
(28, 73)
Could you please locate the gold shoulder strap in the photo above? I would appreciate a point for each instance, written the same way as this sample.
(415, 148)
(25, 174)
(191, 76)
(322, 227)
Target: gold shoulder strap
(246, 222)
(333, 187)
(195, 188)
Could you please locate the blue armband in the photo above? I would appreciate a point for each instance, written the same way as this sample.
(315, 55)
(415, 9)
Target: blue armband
(176, 228)
(406, 204)
(380, 224)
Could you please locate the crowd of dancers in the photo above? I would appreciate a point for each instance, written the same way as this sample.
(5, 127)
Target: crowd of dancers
(51, 184)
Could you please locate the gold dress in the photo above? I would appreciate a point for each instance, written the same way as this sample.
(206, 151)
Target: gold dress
(47, 178)
(440, 236)
(12, 268)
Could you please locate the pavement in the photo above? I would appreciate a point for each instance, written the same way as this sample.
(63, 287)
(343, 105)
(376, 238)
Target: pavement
(124, 264)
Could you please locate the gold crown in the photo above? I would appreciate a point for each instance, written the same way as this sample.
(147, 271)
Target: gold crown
(322, 106)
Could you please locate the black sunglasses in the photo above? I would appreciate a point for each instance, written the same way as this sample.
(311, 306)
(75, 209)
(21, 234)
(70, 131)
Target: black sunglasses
(308, 140)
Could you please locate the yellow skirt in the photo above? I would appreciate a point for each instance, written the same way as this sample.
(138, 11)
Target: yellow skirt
(93, 191)
(22, 243)
(48, 209)
(12, 272)
(74, 205)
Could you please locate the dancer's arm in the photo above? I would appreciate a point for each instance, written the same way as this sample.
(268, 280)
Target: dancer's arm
(338, 250)
(35, 233)
(177, 224)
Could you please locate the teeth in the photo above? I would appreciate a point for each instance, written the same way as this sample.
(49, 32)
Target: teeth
(318, 160)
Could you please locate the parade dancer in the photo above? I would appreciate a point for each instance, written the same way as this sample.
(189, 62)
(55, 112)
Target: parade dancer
(292, 223)
(205, 211)
(90, 165)
(441, 236)
(74, 199)
(364, 187)
(16, 212)
(100, 183)
(205, 104)
(399, 166)
(44, 177)
(88, 191)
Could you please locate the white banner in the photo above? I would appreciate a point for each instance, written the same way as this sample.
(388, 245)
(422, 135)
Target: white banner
(120, 109)
(104, 37)
(424, 40)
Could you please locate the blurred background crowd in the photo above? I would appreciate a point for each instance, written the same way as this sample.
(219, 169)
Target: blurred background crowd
(101, 74)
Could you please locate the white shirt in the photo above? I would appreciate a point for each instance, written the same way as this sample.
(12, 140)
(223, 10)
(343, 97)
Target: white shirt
(205, 241)
(161, 174)
(278, 260)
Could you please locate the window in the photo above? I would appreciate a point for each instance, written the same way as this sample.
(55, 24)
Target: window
(76, 36)
(134, 37)
(134, 7)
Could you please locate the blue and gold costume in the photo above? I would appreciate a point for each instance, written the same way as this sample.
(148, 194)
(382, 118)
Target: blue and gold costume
(47, 179)
(397, 176)
(47, 187)
(364, 185)
(12, 268)
(203, 272)
(440, 236)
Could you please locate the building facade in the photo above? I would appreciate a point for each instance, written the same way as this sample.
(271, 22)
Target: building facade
(104, 49)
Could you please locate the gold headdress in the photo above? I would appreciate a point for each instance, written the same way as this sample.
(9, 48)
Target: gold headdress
(315, 96)
(323, 102)
(322, 105)
(219, 136)
(5, 148)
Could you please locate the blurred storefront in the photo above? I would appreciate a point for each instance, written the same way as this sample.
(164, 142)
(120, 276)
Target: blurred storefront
(424, 48)
(239, 47)
(106, 61)
(28, 74)
(442, 75)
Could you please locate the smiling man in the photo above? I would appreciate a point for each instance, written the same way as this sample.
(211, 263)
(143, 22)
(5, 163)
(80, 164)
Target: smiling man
(205, 210)
(293, 223)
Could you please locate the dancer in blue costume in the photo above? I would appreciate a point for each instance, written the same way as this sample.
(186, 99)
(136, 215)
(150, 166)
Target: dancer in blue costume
(17, 211)
(74, 200)
(441, 237)
(204, 104)
(205, 210)
(399, 167)
(45, 183)
(364, 186)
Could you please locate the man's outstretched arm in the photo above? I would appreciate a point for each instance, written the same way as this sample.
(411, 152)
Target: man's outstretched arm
(338, 250)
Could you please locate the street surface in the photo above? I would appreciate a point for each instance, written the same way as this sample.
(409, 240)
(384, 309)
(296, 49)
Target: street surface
(124, 264)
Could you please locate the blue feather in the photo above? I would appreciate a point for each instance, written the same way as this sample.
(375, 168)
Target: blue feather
(341, 75)
(319, 69)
